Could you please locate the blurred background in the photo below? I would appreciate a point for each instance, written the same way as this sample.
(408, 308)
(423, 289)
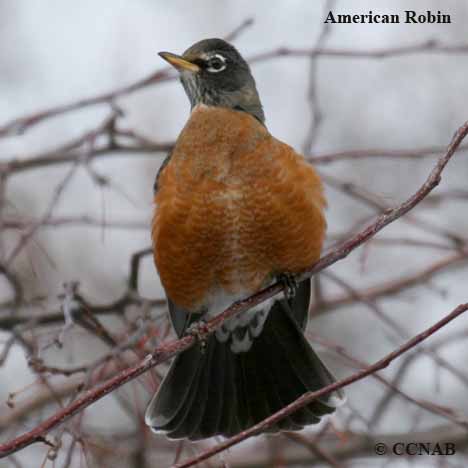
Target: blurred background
(372, 104)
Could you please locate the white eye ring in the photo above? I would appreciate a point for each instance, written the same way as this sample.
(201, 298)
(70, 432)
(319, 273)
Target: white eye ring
(221, 59)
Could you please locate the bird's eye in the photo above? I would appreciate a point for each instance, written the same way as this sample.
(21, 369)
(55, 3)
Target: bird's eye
(216, 64)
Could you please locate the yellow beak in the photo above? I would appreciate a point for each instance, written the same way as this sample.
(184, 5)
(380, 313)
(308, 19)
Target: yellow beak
(178, 62)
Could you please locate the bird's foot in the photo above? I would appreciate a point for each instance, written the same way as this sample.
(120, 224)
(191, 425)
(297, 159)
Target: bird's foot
(199, 330)
(290, 284)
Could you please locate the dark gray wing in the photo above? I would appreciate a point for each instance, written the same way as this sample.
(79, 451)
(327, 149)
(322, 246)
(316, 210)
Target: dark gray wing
(299, 304)
(180, 318)
(161, 168)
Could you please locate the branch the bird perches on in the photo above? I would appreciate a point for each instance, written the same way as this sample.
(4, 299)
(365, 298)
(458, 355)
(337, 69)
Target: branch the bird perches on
(169, 350)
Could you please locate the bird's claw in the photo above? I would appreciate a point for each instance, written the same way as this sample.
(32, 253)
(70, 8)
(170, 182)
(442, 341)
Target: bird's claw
(290, 284)
(199, 330)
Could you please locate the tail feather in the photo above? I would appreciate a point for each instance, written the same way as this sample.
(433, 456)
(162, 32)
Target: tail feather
(288, 384)
(301, 361)
(215, 394)
(229, 411)
(256, 389)
(179, 419)
(189, 425)
(219, 392)
(181, 378)
(274, 394)
(242, 385)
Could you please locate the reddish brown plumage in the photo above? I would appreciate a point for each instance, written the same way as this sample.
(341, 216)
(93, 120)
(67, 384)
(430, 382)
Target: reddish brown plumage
(234, 207)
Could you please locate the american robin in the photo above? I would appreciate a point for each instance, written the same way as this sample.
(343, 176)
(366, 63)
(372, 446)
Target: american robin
(235, 209)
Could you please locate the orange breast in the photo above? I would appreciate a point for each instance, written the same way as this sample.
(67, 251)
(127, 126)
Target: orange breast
(234, 207)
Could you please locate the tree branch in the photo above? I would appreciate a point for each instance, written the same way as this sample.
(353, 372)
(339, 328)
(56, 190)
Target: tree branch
(307, 398)
(352, 445)
(21, 124)
(168, 350)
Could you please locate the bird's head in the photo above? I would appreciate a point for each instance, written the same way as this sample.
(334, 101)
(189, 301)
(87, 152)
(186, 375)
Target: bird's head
(214, 73)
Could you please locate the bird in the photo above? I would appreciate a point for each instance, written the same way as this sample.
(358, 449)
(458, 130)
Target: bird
(235, 210)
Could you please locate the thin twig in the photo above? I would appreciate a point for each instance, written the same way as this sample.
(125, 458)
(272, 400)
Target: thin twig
(21, 124)
(166, 351)
(311, 396)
